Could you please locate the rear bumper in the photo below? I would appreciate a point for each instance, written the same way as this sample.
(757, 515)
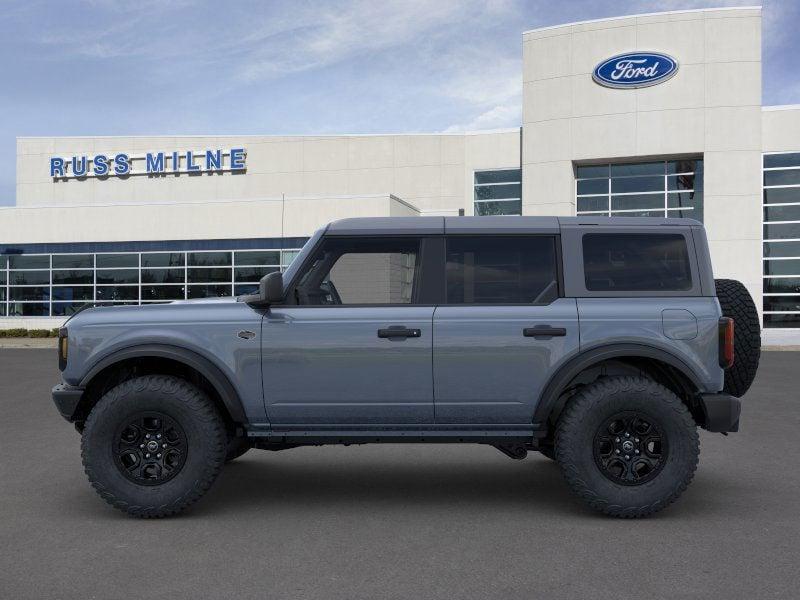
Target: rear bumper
(721, 412)
(66, 399)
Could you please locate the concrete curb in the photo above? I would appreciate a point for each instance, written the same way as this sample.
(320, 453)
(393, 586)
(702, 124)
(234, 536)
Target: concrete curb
(29, 343)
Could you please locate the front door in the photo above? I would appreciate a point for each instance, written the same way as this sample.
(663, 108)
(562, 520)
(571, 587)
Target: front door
(503, 328)
(352, 346)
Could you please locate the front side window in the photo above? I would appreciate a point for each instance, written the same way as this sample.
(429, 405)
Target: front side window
(501, 270)
(636, 262)
(361, 271)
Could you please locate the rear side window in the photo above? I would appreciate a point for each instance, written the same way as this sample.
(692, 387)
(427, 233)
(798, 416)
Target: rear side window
(501, 270)
(636, 262)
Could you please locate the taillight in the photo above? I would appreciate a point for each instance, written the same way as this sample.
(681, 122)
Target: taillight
(63, 348)
(725, 342)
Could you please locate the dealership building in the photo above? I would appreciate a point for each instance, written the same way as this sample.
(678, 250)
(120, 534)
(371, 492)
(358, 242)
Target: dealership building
(646, 115)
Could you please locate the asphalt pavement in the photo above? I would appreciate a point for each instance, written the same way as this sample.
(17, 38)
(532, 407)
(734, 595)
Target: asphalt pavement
(399, 521)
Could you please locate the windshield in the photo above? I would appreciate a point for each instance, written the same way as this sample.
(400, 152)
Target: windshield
(291, 270)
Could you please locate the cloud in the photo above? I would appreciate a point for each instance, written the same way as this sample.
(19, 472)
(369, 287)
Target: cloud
(497, 117)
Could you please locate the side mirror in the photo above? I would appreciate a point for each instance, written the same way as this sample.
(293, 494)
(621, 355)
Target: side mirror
(270, 288)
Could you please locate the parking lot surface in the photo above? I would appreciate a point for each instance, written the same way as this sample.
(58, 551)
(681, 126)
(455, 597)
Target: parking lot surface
(399, 521)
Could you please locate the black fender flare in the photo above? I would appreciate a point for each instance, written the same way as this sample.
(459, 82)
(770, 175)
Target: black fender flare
(569, 370)
(219, 381)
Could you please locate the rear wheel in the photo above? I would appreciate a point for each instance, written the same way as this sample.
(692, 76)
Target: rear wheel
(736, 303)
(627, 446)
(153, 445)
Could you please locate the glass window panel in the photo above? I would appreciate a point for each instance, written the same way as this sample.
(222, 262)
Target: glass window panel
(625, 169)
(252, 274)
(209, 259)
(28, 309)
(2, 277)
(117, 260)
(240, 290)
(162, 292)
(791, 303)
(789, 177)
(495, 192)
(640, 213)
(692, 200)
(3, 261)
(24, 261)
(258, 257)
(683, 182)
(592, 203)
(780, 285)
(289, 256)
(209, 291)
(2, 310)
(498, 207)
(778, 321)
(73, 261)
(782, 249)
(782, 195)
(782, 267)
(684, 166)
(73, 293)
(117, 292)
(637, 184)
(782, 160)
(781, 231)
(499, 176)
(119, 276)
(208, 275)
(2, 294)
(73, 277)
(29, 293)
(163, 259)
(686, 213)
(163, 275)
(593, 186)
(782, 213)
(29, 277)
(637, 201)
(591, 171)
(501, 270)
(360, 271)
(64, 309)
(625, 262)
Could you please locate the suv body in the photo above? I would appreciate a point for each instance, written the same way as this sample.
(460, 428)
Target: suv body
(464, 329)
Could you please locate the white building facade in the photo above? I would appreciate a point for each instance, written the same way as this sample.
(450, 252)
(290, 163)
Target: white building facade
(152, 219)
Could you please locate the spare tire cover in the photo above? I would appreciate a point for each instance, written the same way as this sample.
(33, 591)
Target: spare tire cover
(736, 303)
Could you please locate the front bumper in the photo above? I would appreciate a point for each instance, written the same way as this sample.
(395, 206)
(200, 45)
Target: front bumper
(721, 412)
(66, 399)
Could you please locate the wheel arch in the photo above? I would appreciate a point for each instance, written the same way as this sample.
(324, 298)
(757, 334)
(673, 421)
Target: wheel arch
(661, 365)
(162, 358)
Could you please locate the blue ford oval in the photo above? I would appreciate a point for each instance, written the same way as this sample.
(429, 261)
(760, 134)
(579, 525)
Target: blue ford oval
(635, 70)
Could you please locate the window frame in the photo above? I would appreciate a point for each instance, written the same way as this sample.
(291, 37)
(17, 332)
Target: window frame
(419, 297)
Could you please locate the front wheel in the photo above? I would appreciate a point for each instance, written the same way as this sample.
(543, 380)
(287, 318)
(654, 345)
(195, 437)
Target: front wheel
(627, 446)
(153, 445)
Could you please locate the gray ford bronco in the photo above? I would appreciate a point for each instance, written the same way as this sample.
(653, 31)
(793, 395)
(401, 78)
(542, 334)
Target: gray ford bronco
(601, 343)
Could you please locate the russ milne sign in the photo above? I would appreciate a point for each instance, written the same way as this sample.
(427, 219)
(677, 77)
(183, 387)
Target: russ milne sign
(635, 70)
(151, 163)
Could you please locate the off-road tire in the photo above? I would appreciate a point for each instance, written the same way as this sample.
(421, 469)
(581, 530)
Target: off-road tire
(586, 413)
(736, 303)
(236, 447)
(184, 404)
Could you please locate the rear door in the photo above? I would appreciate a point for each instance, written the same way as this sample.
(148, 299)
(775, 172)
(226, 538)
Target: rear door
(503, 328)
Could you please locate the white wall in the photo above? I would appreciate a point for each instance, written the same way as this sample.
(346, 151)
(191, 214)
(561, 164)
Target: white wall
(711, 107)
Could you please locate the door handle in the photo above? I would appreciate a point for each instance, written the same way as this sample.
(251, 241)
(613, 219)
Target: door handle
(544, 331)
(399, 332)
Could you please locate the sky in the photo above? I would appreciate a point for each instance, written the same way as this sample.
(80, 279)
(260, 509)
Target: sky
(160, 67)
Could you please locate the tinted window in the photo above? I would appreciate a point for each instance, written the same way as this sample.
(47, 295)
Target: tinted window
(501, 270)
(353, 271)
(636, 262)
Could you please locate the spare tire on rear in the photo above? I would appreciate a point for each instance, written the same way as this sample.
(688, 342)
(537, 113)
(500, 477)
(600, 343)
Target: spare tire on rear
(736, 303)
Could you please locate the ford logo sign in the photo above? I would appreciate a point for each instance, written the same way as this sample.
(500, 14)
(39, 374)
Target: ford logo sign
(635, 70)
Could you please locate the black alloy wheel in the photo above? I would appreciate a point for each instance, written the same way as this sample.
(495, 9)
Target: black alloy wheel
(630, 448)
(150, 448)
